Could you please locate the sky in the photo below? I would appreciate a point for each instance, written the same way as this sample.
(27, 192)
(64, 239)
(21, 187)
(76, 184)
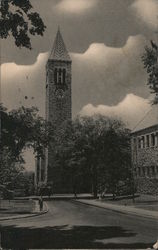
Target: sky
(105, 39)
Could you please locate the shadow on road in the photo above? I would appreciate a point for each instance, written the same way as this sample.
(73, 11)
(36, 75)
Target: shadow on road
(65, 237)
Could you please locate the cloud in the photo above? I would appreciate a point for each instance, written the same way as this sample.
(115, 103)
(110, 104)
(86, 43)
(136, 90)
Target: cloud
(75, 7)
(24, 85)
(131, 109)
(105, 75)
(100, 75)
(147, 11)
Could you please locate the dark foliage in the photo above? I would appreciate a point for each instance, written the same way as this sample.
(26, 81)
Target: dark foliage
(18, 19)
(21, 129)
(94, 150)
(150, 60)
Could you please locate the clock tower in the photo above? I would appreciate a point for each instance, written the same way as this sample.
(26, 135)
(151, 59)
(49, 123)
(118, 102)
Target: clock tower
(58, 102)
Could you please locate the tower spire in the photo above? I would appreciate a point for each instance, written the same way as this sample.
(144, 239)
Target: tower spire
(59, 51)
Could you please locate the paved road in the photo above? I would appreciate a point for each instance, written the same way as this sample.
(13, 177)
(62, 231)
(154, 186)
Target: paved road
(73, 225)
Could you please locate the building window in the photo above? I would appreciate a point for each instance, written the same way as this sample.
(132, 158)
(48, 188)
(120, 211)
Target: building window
(59, 75)
(56, 75)
(148, 171)
(153, 170)
(143, 142)
(147, 141)
(64, 75)
(143, 171)
(156, 139)
(153, 140)
(139, 142)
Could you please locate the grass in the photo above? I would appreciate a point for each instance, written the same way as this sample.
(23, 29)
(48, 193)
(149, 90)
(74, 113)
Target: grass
(147, 202)
(15, 207)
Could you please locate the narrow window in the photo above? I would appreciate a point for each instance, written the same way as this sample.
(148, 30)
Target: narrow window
(139, 172)
(60, 76)
(142, 142)
(152, 140)
(143, 171)
(56, 75)
(64, 76)
(139, 142)
(156, 139)
(148, 172)
(153, 170)
(147, 141)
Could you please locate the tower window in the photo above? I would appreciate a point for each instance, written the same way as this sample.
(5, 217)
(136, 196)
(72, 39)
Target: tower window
(64, 75)
(56, 75)
(60, 80)
(59, 75)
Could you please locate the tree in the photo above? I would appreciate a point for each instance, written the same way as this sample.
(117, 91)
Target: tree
(24, 181)
(21, 129)
(68, 156)
(9, 169)
(150, 60)
(96, 149)
(24, 128)
(18, 19)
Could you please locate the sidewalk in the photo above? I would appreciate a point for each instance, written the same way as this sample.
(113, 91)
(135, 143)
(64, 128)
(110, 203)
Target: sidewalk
(120, 208)
(22, 211)
(60, 197)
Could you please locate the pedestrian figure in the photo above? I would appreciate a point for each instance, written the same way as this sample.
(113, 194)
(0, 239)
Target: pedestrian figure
(41, 203)
(75, 190)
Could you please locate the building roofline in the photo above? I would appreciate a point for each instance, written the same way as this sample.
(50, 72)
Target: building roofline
(141, 130)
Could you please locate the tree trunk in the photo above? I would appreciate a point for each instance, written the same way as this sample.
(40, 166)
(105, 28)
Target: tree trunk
(95, 183)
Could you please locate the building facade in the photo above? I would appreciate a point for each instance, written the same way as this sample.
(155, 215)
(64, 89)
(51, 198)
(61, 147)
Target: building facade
(58, 108)
(144, 146)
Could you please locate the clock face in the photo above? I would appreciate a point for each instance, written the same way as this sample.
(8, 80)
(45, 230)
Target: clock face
(59, 93)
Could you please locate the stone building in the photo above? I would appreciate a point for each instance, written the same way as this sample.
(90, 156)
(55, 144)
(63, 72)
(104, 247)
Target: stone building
(58, 108)
(144, 146)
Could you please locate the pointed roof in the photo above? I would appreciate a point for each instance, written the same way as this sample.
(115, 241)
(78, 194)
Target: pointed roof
(59, 51)
(149, 120)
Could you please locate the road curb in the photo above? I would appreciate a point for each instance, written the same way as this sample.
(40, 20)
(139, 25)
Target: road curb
(26, 215)
(118, 211)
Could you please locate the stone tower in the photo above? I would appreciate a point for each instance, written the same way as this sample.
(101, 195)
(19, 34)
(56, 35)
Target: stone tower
(58, 101)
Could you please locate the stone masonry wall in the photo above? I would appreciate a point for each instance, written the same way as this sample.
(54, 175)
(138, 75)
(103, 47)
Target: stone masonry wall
(145, 162)
(58, 110)
(147, 186)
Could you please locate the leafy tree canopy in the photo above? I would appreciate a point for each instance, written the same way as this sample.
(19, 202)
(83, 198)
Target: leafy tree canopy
(21, 128)
(150, 60)
(95, 149)
(18, 19)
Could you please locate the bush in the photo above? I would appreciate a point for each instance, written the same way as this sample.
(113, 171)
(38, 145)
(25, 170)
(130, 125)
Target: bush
(8, 195)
